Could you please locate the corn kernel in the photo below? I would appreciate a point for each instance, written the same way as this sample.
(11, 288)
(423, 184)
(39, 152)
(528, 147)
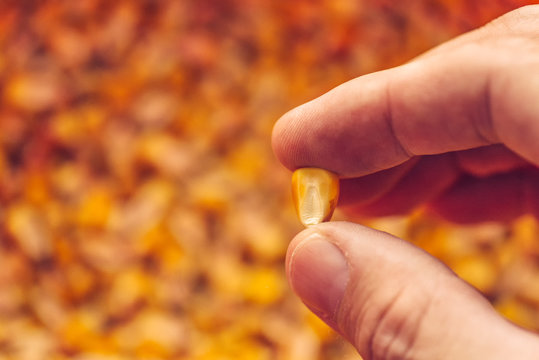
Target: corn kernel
(315, 193)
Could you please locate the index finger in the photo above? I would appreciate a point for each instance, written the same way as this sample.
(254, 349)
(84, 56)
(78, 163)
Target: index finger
(479, 90)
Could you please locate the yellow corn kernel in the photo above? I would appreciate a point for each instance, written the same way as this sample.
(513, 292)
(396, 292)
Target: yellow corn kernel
(315, 193)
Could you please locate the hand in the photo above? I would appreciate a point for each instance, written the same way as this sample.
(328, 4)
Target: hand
(456, 129)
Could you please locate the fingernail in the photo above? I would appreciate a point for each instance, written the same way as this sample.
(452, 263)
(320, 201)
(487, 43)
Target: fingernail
(319, 275)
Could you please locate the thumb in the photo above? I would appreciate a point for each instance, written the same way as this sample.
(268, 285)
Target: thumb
(392, 300)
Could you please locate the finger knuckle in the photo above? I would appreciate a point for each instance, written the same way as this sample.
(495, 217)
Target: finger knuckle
(388, 327)
(399, 326)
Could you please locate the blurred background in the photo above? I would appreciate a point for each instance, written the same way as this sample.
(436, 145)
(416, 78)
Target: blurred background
(142, 213)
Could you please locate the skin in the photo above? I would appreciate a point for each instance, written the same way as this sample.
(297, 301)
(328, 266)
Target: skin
(455, 130)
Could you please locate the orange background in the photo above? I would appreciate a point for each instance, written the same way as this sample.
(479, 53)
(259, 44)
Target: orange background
(142, 213)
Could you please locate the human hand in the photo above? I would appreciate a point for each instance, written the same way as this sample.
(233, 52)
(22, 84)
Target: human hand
(456, 129)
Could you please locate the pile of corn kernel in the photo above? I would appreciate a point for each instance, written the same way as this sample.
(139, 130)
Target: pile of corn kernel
(142, 213)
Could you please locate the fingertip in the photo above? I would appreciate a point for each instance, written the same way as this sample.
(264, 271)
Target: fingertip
(318, 273)
(296, 241)
(286, 138)
(279, 139)
(306, 235)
